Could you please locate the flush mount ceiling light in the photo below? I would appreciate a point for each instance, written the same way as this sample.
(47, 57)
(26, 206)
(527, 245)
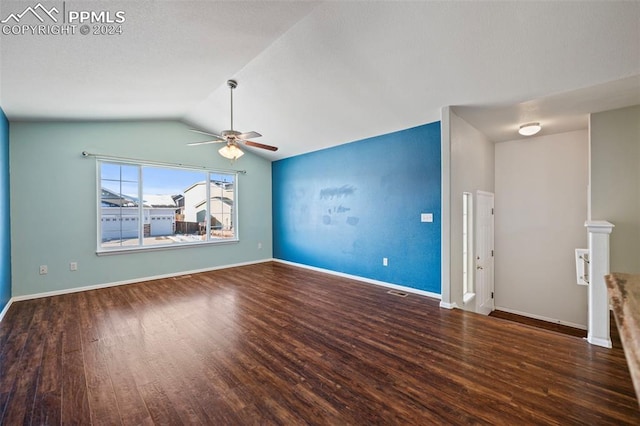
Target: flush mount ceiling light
(530, 129)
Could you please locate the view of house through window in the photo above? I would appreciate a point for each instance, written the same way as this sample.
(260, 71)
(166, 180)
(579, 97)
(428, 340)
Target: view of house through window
(144, 205)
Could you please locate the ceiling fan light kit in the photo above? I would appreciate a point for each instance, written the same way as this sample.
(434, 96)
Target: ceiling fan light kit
(232, 152)
(529, 129)
(232, 137)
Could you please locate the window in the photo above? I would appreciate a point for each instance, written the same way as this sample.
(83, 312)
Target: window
(467, 233)
(144, 206)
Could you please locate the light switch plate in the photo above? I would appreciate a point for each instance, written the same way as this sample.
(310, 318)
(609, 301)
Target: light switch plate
(426, 217)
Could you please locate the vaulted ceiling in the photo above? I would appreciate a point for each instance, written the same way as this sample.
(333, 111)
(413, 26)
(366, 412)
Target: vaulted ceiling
(317, 74)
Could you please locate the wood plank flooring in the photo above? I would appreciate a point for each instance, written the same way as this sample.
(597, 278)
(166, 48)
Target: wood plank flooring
(276, 344)
(546, 325)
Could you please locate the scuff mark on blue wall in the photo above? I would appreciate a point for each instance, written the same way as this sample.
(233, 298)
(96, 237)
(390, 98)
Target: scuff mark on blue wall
(347, 207)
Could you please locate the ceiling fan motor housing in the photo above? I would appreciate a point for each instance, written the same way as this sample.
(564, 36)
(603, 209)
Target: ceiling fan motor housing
(229, 133)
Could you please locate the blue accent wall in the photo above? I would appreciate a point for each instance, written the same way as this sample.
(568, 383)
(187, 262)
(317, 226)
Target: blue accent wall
(346, 208)
(5, 224)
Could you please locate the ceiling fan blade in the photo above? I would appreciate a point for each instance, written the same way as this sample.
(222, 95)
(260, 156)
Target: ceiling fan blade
(204, 143)
(260, 145)
(248, 135)
(207, 133)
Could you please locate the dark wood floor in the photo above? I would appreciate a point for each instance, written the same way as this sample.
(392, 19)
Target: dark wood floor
(546, 325)
(275, 344)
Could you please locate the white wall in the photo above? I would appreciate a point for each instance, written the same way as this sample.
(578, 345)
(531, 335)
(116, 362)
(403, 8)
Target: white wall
(541, 207)
(472, 169)
(615, 182)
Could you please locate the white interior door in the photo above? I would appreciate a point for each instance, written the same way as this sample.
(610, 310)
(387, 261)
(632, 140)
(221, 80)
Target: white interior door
(484, 252)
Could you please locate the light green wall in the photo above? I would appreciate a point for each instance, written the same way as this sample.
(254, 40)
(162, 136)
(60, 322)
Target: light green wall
(53, 203)
(615, 182)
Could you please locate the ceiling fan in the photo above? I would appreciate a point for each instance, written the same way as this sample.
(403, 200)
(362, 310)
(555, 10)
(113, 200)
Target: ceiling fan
(232, 137)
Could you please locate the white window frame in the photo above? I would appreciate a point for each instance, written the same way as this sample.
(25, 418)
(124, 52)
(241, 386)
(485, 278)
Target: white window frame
(209, 240)
(468, 290)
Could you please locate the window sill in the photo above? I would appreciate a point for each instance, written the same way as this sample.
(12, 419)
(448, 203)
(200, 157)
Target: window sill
(125, 250)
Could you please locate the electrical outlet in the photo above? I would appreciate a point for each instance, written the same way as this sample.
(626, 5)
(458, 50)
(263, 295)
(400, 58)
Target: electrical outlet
(385, 261)
(73, 266)
(44, 270)
(259, 246)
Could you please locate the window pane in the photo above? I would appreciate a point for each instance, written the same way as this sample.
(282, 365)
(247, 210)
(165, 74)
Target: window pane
(222, 196)
(119, 205)
(465, 243)
(164, 216)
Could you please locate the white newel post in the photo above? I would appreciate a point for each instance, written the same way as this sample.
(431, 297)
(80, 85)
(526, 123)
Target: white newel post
(598, 327)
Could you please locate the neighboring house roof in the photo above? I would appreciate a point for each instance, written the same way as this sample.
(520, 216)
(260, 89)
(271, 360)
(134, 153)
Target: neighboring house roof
(159, 201)
(179, 200)
(224, 185)
(109, 198)
(227, 186)
(193, 186)
(112, 199)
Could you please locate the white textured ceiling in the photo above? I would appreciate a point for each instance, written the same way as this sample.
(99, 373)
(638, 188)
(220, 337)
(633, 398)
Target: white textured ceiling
(317, 74)
(558, 113)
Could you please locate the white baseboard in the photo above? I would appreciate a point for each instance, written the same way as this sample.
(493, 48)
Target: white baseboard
(542, 318)
(606, 343)
(196, 271)
(362, 279)
(446, 305)
(132, 281)
(6, 309)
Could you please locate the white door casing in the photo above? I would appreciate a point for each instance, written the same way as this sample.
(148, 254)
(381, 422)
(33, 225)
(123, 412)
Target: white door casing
(484, 252)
